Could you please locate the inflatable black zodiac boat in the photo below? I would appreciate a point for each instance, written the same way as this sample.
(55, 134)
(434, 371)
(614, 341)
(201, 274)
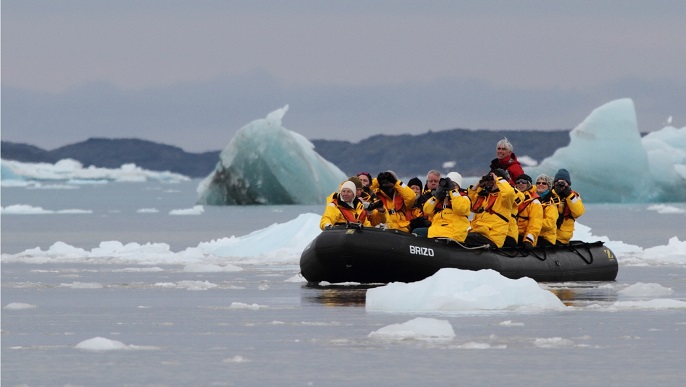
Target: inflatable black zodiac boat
(372, 255)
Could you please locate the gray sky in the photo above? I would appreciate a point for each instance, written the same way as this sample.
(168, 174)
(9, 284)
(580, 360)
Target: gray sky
(191, 73)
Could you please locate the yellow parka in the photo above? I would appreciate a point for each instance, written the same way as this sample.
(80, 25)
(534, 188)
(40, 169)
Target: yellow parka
(334, 213)
(549, 225)
(513, 227)
(453, 220)
(569, 209)
(399, 207)
(493, 211)
(530, 216)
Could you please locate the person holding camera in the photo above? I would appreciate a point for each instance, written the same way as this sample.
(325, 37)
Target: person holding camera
(570, 206)
(397, 199)
(449, 209)
(492, 201)
(507, 160)
(344, 208)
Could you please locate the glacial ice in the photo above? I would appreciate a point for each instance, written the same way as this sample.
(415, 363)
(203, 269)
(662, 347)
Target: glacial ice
(610, 162)
(266, 163)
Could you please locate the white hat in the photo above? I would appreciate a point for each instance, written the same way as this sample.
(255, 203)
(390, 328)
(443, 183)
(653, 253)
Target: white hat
(456, 177)
(350, 185)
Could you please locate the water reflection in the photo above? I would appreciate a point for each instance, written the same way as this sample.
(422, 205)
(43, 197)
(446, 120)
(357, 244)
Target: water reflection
(337, 295)
(571, 294)
(582, 293)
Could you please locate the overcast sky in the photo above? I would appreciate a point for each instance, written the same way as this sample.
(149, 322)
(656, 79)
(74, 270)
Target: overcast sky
(191, 73)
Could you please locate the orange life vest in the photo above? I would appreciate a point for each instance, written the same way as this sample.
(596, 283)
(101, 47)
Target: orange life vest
(398, 205)
(476, 207)
(349, 214)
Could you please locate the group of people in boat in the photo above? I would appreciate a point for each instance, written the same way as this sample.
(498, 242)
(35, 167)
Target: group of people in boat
(506, 208)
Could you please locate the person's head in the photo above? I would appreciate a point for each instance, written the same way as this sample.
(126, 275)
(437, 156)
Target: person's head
(503, 148)
(432, 179)
(358, 185)
(415, 184)
(543, 183)
(562, 176)
(456, 178)
(347, 191)
(365, 178)
(523, 182)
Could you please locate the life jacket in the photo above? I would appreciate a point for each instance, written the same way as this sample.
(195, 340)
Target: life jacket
(398, 205)
(476, 207)
(442, 205)
(527, 200)
(350, 215)
(566, 214)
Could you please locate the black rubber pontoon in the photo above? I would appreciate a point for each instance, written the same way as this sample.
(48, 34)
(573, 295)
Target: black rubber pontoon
(372, 255)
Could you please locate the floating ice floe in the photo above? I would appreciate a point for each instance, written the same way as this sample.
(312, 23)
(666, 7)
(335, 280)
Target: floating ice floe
(420, 328)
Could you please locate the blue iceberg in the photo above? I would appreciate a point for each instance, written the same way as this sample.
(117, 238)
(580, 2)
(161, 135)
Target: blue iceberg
(266, 163)
(610, 162)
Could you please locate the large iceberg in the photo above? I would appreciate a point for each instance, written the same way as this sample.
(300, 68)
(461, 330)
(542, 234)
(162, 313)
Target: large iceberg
(266, 163)
(610, 162)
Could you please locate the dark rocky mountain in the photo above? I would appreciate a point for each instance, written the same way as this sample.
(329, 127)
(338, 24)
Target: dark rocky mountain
(407, 155)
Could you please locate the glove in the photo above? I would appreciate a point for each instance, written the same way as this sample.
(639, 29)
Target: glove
(386, 177)
(562, 190)
(440, 193)
(528, 246)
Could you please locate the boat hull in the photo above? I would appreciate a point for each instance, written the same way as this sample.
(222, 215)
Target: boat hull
(371, 255)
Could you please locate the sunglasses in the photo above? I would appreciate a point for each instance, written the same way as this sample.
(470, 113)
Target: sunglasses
(522, 181)
(541, 183)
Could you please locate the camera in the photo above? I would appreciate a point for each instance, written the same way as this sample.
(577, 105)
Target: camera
(444, 182)
(374, 205)
(486, 178)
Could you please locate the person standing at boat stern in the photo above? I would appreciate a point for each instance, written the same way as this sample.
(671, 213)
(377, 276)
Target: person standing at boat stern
(397, 199)
(529, 213)
(492, 201)
(549, 201)
(507, 160)
(344, 208)
(449, 208)
(570, 207)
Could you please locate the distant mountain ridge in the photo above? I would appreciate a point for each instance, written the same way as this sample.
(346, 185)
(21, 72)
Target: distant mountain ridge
(407, 155)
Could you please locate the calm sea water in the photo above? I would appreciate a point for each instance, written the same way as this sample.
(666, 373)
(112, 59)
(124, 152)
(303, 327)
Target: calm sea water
(301, 335)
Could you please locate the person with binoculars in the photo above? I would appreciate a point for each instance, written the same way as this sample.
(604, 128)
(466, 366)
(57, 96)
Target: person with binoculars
(449, 208)
(570, 206)
(492, 200)
(397, 199)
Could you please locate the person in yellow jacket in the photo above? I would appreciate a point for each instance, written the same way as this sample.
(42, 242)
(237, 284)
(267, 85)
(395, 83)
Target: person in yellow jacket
(529, 213)
(397, 198)
(344, 208)
(549, 202)
(569, 209)
(511, 240)
(492, 201)
(451, 218)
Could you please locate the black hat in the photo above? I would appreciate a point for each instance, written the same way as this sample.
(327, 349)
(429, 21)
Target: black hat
(524, 176)
(562, 174)
(414, 181)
